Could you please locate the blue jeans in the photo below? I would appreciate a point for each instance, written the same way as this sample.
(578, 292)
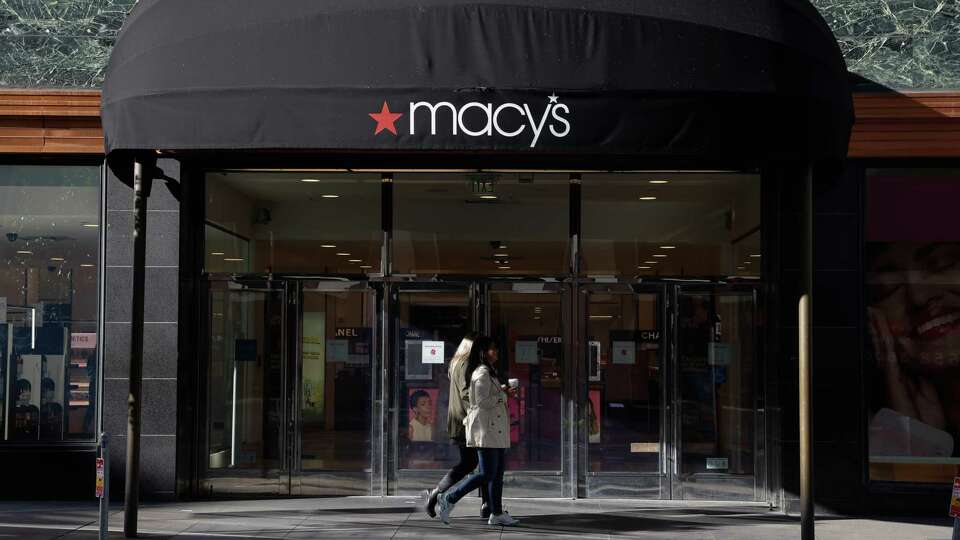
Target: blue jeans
(489, 474)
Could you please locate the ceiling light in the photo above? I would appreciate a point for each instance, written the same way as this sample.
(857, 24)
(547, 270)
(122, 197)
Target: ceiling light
(659, 255)
(328, 245)
(217, 253)
(651, 262)
(310, 180)
(330, 196)
(24, 252)
(355, 260)
(86, 265)
(756, 255)
(503, 267)
(741, 268)
(502, 246)
(537, 318)
(668, 247)
(56, 258)
(747, 262)
(643, 267)
(601, 316)
(365, 266)
(91, 225)
(659, 181)
(488, 197)
(232, 259)
(501, 254)
(648, 198)
(343, 254)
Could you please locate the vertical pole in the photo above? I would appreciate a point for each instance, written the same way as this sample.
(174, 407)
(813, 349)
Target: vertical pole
(105, 497)
(141, 190)
(806, 364)
(384, 422)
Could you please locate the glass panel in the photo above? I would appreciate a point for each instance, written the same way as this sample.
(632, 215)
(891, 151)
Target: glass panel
(245, 391)
(321, 223)
(529, 330)
(481, 224)
(424, 387)
(48, 302)
(625, 347)
(913, 308)
(671, 224)
(716, 340)
(336, 354)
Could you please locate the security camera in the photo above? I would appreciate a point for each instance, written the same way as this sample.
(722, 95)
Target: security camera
(12, 236)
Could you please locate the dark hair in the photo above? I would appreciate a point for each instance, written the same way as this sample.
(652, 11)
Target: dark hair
(480, 347)
(47, 384)
(22, 385)
(414, 397)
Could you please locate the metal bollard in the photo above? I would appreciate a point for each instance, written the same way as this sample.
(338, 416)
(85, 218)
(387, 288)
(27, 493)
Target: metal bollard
(105, 496)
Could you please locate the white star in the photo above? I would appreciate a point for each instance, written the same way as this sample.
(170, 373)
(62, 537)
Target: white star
(553, 98)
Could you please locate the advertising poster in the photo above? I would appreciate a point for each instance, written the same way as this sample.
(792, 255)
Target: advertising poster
(913, 322)
(955, 499)
(527, 352)
(422, 414)
(594, 367)
(594, 412)
(624, 352)
(414, 368)
(431, 352)
(314, 364)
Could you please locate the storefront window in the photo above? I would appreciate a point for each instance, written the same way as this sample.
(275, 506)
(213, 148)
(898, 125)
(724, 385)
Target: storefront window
(671, 224)
(48, 302)
(296, 222)
(497, 224)
(913, 319)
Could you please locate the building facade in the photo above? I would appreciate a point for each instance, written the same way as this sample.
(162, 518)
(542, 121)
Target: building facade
(284, 356)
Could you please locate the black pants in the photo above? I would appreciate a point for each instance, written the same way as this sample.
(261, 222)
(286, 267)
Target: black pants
(469, 459)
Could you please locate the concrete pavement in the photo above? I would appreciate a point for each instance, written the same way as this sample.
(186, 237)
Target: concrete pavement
(399, 517)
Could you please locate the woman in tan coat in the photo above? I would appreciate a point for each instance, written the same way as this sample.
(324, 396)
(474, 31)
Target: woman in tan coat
(487, 427)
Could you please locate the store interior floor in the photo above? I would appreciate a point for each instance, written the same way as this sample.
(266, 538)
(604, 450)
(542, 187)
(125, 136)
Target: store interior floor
(399, 517)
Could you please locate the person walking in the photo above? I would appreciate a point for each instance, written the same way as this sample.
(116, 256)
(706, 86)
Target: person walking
(487, 427)
(458, 403)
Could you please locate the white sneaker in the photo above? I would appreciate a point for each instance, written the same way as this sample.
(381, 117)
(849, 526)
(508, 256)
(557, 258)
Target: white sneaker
(444, 508)
(504, 519)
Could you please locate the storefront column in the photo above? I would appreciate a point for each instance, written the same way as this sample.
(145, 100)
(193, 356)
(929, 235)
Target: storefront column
(805, 361)
(142, 181)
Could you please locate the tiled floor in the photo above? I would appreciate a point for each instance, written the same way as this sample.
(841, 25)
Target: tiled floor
(399, 517)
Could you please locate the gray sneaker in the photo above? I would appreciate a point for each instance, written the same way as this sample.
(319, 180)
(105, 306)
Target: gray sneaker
(504, 519)
(444, 507)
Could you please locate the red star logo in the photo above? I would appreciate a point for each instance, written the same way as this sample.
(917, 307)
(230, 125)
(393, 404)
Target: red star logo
(386, 119)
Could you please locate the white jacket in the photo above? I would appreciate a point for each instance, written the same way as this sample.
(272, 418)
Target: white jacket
(487, 423)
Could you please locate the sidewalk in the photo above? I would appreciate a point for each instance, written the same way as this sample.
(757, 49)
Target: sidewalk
(398, 517)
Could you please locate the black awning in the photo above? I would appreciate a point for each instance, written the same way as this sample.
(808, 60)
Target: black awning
(749, 79)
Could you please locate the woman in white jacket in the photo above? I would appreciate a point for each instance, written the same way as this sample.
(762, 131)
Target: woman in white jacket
(487, 429)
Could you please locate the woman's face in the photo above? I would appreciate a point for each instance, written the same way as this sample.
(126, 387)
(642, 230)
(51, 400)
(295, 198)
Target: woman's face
(492, 355)
(917, 289)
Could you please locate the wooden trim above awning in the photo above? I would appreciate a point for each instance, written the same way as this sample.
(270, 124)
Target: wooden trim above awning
(888, 125)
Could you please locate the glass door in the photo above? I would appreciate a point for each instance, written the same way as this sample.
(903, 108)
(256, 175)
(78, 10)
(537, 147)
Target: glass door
(719, 443)
(527, 320)
(246, 432)
(624, 432)
(335, 388)
(429, 323)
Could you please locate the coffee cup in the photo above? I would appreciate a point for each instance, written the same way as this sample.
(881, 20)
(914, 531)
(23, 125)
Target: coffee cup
(513, 383)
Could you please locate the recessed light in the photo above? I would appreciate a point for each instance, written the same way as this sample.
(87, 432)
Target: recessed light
(756, 255)
(330, 196)
(747, 262)
(310, 180)
(502, 246)
(86, 265)
(648, 198)
(643, 267)
(601, 316)
(56, 258)
(355, 260)
(328, 245)
(503, 267)
(659, 181)
(651, 262)
(741, 268)
(24, 252)
(90, 225)
(365, 266)
(488, 197)
(659, 255)
(217, 253)
(343, 254)
(501, 254)
(537, 318)
(232, 259)
(668, 247)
